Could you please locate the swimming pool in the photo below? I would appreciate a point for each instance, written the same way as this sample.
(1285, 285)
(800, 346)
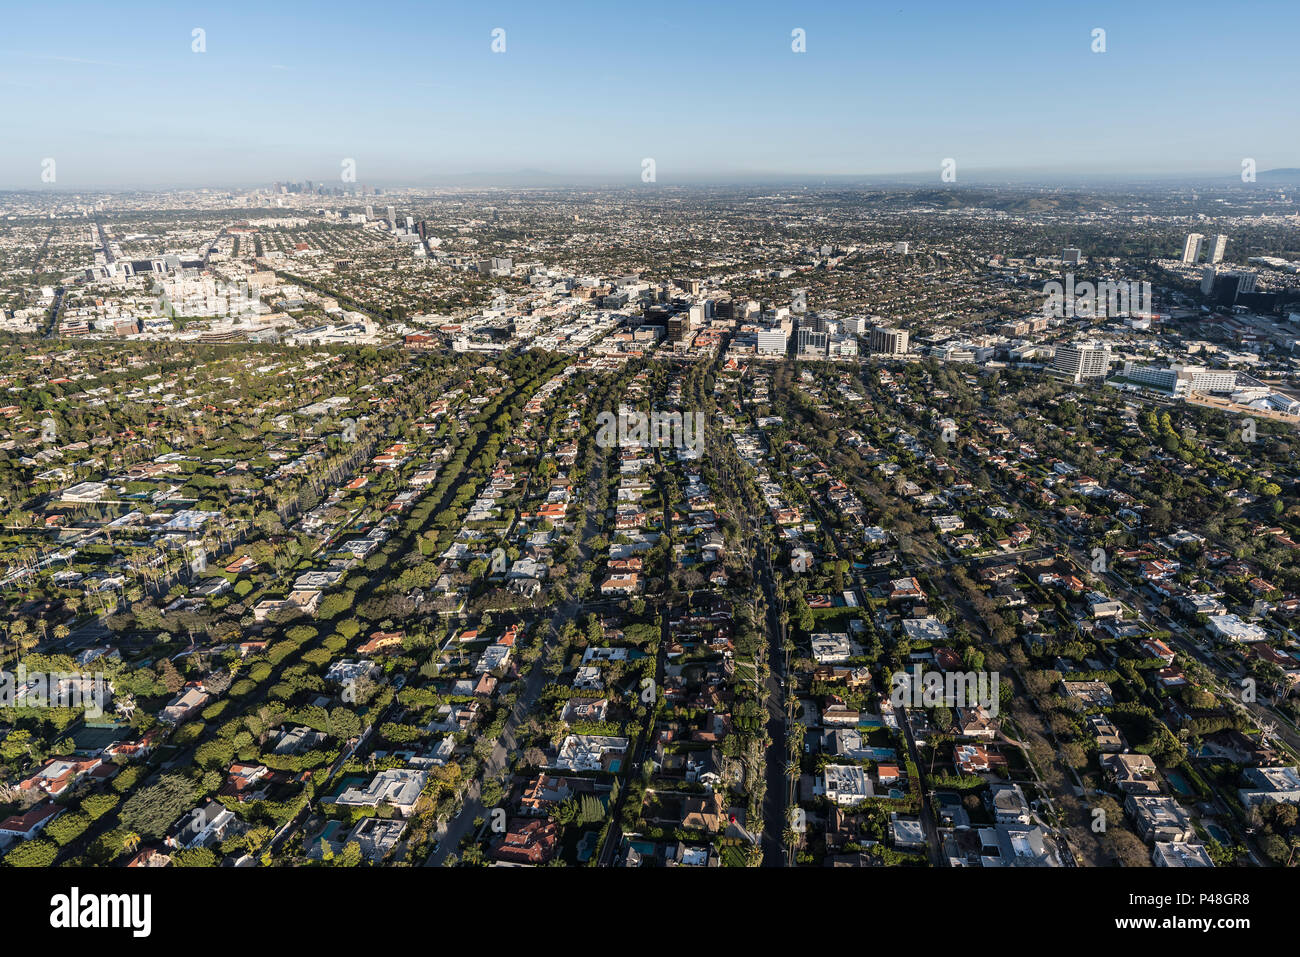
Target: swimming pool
(1218, 833)
(1178, 783)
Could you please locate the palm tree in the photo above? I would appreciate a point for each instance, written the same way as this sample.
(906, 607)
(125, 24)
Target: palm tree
(17, 631)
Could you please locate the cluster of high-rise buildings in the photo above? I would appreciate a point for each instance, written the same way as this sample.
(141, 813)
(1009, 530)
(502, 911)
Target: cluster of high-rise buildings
(1222, 285)
(1214, 249)
(780, 331)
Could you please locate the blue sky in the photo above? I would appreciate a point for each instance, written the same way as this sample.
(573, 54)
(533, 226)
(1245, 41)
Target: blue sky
(412, 90)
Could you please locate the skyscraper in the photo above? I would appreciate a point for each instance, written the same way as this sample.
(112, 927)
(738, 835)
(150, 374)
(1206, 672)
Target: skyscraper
(1192, 247)
(1218, 245)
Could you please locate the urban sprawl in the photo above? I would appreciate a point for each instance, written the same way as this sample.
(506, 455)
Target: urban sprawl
(699, 527)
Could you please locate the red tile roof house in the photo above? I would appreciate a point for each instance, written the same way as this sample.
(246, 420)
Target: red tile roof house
(246, 782)
(887, 773)
(58, 775)
(26, 826)
(905, 588)
(150, 857)
(1156, 648)
(621, 584)
(385, 641)
(1171, 677)
(135, 749)
(528, 842)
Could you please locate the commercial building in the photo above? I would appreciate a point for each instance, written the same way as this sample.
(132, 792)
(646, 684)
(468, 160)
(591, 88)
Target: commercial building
(1082, 360)
(773, 341)
(811, 341)
(1181, 380)
(888, 341)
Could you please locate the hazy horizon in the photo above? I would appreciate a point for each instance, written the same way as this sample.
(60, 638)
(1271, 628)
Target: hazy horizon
(1037, 179)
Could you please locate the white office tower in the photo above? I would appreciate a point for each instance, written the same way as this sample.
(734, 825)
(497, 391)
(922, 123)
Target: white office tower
(1082, 360)
(410, 224)
(370, 213)
(1192, 247)
(887, 341)
(1070, 256)
(772, 341)
(1218, 246)
(392, 216)
(1207, 280)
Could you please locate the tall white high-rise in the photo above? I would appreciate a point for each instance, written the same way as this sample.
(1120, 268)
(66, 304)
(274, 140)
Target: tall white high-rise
(772, 341)
(1192, 247)
(1082, 360)
(1218, 246)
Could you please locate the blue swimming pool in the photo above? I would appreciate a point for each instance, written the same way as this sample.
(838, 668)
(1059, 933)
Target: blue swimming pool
(1218, 833)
